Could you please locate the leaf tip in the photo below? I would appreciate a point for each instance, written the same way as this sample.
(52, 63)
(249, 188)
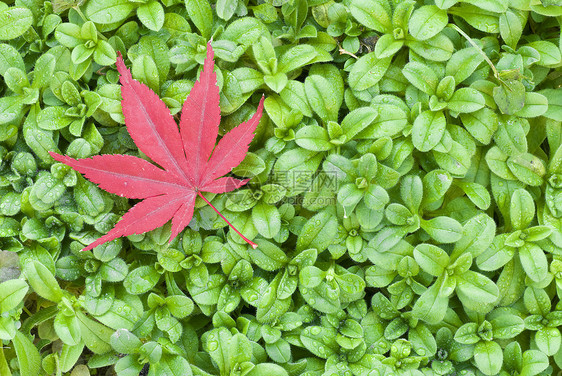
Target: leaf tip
(122, 69)
(260, 105)
(209, 61)
(59, 158)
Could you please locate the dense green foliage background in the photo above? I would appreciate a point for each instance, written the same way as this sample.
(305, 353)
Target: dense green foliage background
(405, 193)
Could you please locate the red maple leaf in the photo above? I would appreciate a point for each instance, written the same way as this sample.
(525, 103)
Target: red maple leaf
(190, 162)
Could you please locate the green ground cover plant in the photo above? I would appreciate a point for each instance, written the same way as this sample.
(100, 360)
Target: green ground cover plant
(404, 193)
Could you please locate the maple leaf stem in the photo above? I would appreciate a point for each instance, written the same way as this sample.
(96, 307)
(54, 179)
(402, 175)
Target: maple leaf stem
(254, 245)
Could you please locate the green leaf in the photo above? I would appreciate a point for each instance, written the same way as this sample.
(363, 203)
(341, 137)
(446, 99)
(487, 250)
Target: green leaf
(104, 54)
(428, 130)
(537, 301)
(387, 46)
(268, 256)
(466, 334)
(323, 96)
(268, 369)
(488, 356)
(267, 220)
(549, 52)
(88, 197)
(510, 136)
(43, 72)
(475, 291)
(311, 276)
(240, 349)
(108, 11)
(496, 6)
(421, 76)
(128, 366)
(436, 183)
(69, 356)
(427, 21)
(509, 96)
(10, 109)
(270, 306)
(445, 4)
(507, 326)
(12, 293)
(534, 362)
(114, 270)
(81, 54)
(522, 209)
(141, 280)
(294, 93)
(225, 8)
(245, 30)
(527, 168)
(67, 328)
(319, 340)
(28, 356)
(534, 261)
(201, 15)
(53, 118)
(357, 120)
(10, 58)
(511, 28)
(125, 342)
(14, 22)
(477, 194)
(466, 100)
(95, 335)
(463, 63)
(548, 340)
(349, 196)
(151, 15)
(318, 232)
(42, 281)
(478, 18)
(554, 97)
(443, 229)
(293, 164)
(432, 259)
(375, 15)
(437, 48)
(145, 70)
(535, 105)
(276, 82)
(367, 71)
(296, 57)
(431, 306)
(314, 138)
(392, 123)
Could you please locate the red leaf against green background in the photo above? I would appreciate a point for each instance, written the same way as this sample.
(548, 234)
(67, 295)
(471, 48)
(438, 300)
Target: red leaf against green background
(190, 162)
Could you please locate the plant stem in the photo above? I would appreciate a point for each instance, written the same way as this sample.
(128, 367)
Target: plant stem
(459, 30)
(254, 245)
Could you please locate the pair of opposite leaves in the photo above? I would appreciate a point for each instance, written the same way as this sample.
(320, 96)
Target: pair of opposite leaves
(190, 165)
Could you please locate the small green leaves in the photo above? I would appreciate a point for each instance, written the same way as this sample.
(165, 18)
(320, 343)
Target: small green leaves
(408, 147)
